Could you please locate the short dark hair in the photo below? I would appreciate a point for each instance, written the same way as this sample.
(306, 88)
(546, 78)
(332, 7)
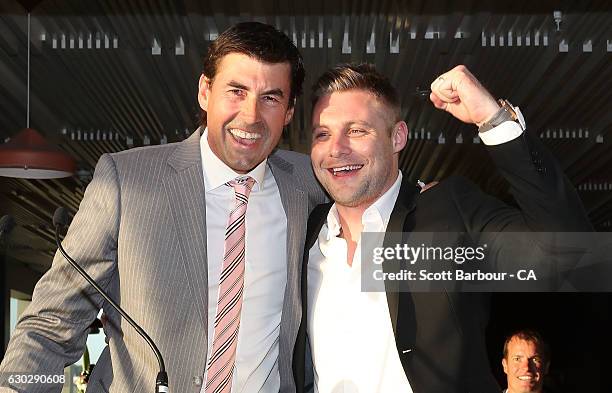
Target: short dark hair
(357, 76)
(533, 336)
(259, 41)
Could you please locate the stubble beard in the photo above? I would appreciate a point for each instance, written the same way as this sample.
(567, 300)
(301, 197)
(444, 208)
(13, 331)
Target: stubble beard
(367, 192)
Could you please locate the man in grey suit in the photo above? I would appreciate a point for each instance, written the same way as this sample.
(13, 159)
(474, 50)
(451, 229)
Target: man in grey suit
(151, 230)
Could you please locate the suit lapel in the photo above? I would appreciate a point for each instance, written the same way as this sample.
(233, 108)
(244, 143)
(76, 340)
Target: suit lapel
(405, 204)
(399, 221)
(315, 223)
(185, 190)
(295, 204)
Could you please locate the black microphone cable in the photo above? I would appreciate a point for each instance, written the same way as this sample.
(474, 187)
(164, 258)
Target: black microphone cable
(60, 220)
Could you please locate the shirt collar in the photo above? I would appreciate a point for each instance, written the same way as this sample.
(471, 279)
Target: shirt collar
(378, 213)
(217, 173)
(333, 223)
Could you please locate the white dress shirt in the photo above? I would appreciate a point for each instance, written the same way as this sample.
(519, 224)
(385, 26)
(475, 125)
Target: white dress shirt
(351, 337)
(350, 332)
(265, 269)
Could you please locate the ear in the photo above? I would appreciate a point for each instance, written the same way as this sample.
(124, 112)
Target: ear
(289, 113)
(204, 87)
(546, 367)
(399, 136)
(505, 365)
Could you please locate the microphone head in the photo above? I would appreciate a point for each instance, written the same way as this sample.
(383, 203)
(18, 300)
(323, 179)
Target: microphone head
(7, 223)
(60, 217)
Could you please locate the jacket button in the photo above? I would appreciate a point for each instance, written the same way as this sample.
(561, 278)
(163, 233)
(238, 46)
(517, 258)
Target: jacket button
(197, 381)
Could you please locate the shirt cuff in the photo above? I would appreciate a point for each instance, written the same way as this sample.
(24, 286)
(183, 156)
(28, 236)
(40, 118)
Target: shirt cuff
(505, 132)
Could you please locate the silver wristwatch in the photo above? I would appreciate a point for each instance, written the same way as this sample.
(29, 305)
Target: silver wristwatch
(506, 113)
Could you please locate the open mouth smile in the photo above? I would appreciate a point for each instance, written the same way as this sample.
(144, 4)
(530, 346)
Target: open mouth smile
(244, 137)
(345, 170)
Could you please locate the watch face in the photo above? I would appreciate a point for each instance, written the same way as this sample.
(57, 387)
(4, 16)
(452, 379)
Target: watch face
(509, 110)
(509, 114)
(506, 113)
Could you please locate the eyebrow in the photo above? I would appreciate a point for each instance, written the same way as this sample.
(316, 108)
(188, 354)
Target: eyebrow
(347, 124)
(275, 92)
(315, 127)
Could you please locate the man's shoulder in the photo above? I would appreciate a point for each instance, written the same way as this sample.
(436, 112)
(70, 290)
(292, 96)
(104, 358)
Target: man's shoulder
(449, 197)
(448, 187)
(144, 162)
(294, 158)
(300, 170)
(156, 151)
(181, 154)
(187, 150)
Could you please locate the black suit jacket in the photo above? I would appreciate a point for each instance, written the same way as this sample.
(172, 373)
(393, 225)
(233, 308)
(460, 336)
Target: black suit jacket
(440, 337)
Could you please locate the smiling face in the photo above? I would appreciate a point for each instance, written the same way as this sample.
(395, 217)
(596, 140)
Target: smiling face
(247, 106)
(524, 367)
(355, 146)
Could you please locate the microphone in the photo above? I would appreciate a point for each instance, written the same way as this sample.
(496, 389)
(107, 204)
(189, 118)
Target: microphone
(60, 220)
(7, 223)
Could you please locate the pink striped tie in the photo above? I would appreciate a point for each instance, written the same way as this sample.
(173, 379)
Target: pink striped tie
(227, 321)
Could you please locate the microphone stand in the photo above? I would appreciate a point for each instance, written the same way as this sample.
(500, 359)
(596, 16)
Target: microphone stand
(161, 382)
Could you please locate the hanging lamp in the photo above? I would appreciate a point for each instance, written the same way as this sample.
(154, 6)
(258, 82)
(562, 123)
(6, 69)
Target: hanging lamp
(28, 155)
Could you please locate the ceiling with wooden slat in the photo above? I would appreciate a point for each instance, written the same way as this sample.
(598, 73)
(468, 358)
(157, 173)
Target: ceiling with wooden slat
(108, 75)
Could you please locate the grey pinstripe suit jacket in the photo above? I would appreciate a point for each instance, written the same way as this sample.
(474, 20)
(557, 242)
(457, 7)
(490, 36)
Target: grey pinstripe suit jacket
(141, 233)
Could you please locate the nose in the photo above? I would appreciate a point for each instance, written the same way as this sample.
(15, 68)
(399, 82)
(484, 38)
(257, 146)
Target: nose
(249, 110)
(340, 145)
(524, 365)
(533, 367)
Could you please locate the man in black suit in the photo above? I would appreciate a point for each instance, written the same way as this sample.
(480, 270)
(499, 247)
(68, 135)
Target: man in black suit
(409, 341)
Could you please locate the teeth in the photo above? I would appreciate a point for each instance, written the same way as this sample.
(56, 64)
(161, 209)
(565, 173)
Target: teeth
(525, 378)
(243, 134)
(347, 168)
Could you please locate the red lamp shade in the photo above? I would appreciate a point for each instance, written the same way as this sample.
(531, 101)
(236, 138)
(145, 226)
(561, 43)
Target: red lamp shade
(29, 156)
